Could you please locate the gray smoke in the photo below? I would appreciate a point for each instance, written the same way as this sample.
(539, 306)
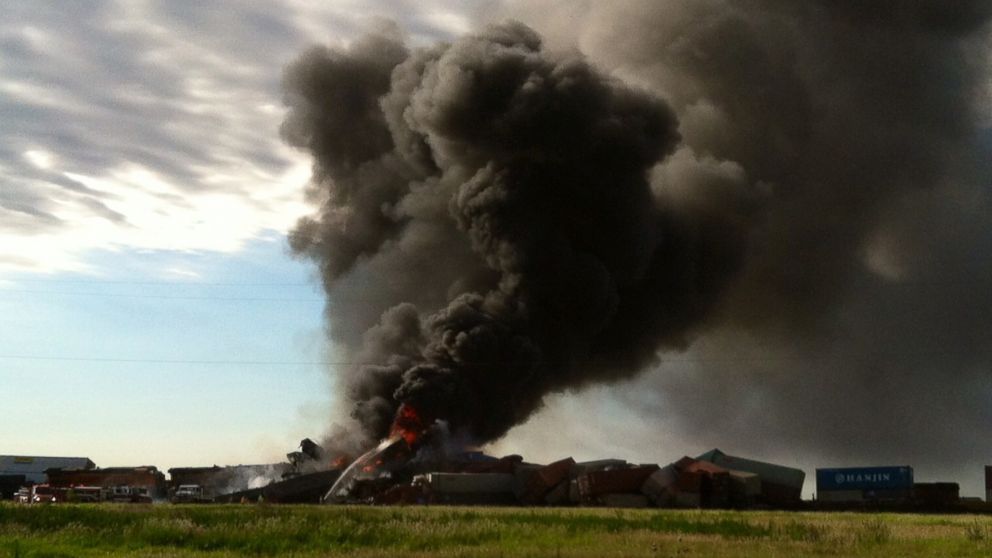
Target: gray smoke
(859, 329)
(795, 238)
(491, 200)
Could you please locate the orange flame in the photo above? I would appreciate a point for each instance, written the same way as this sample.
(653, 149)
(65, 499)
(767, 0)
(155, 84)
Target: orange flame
(408, 424)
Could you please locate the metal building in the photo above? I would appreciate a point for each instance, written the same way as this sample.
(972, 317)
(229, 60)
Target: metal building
(33, 467)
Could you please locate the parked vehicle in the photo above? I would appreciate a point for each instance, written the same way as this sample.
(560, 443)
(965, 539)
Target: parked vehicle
(124, 494)
(45, 494)
(23, 495)
(190, 494)
(84, 494)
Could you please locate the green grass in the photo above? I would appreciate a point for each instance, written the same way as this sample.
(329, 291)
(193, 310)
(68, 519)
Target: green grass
(215, 531)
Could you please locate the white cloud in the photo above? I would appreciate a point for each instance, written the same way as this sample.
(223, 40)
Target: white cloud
(450, 22)
(154, 125)
(159, 215)
(40, 158)
(182, 273)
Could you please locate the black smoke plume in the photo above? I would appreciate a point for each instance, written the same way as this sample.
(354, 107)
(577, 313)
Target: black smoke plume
(794, 241)
(859, 327)
(494, 200)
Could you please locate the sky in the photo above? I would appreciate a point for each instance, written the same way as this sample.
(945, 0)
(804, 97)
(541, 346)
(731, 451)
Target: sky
(151, 310)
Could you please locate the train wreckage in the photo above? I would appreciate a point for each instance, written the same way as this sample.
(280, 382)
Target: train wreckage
(416, 465)
(419, 463)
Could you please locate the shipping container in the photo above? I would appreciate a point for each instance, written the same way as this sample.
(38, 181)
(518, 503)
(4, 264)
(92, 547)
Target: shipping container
(779, 494)
(558, 496)
(689, 482)
(541, 481)
(690, 465)
(300, 489)
(598, 465)
(840, 496)
(936, 494)
(888, 494)
(769, 472)
(661, 486)
(573, 492)
(629, 480)
(988, 483)
(745, 485)
(718, 493)
(864, 478)
(466, 482)
(467, 488)
(522, 474)
(477, 462)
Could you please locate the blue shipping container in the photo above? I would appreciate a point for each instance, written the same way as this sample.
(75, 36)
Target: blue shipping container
(864, 478)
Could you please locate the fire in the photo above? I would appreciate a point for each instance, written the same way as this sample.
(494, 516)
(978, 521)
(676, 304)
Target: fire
(389, 456)
(408, 425)
(373, 466)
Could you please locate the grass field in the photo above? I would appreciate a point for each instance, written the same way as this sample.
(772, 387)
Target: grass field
(214, 531)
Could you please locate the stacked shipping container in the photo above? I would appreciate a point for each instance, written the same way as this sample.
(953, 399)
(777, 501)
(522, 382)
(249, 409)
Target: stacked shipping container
(864, 484)
(988, 483)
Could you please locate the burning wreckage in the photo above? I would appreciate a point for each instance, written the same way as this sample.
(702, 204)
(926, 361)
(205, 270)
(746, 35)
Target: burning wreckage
(421, 462)
(416, 464)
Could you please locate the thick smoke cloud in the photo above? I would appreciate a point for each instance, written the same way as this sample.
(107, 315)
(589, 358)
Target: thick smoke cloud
(513, 184)
(799, 229)
(847, 137)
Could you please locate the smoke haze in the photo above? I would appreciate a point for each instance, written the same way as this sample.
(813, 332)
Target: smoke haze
(777, 211)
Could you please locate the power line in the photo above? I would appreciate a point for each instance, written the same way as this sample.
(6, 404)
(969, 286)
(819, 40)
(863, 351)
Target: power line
(168, 297)
(170, 361)
(176, 283)
(275, 362)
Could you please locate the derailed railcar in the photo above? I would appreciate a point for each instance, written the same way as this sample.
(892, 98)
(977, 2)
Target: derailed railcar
(781, 486)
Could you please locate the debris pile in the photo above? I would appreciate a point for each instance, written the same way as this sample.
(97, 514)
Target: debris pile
(204, 484)
(304, 480)
(419, 463)
(425, 465)
(395, 473)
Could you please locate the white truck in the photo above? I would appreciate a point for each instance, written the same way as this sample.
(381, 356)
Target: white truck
(190, 494)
